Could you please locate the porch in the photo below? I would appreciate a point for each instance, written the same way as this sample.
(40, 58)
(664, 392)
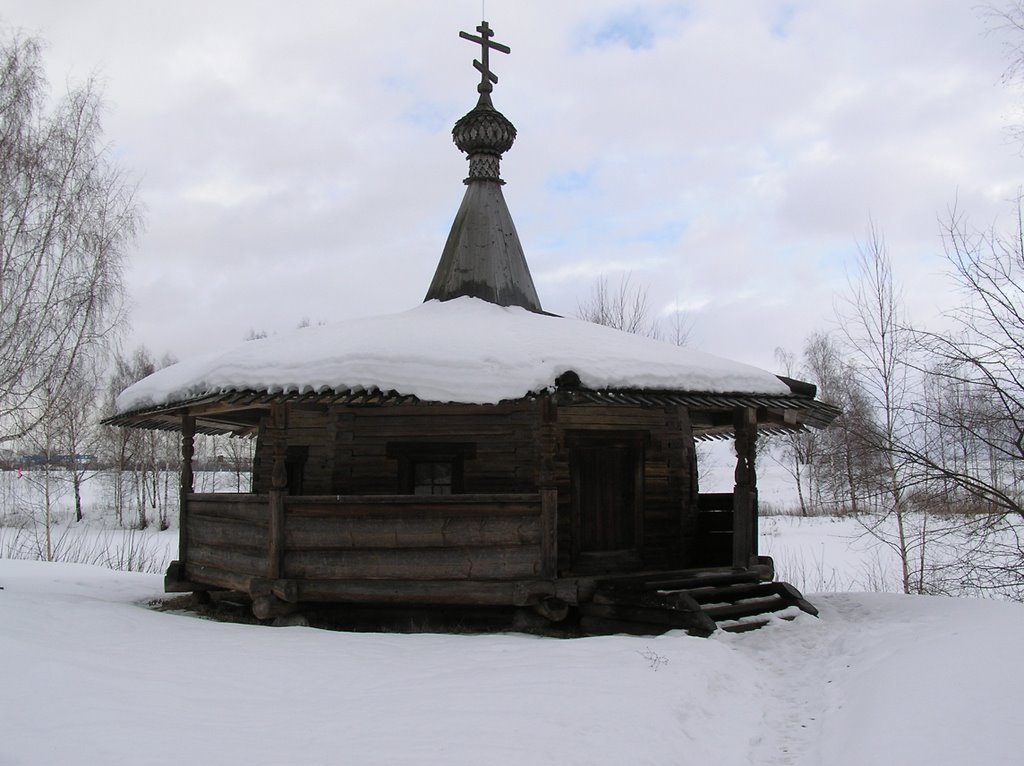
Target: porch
(469, 550)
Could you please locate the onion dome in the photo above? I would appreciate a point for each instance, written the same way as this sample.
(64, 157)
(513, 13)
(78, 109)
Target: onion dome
(484, 134)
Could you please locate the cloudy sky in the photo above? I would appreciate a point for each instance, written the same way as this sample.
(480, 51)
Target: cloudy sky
(295, 160)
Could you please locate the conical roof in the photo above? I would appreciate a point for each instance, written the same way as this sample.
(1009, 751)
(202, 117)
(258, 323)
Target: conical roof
(483, 257)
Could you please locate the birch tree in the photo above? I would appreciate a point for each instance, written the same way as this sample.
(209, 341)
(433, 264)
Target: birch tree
(67, 216)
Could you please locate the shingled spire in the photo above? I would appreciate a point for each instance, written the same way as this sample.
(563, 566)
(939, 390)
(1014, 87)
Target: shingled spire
(483, 257)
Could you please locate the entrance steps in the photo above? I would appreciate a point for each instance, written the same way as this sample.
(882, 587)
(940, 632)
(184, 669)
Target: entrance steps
(735, 602)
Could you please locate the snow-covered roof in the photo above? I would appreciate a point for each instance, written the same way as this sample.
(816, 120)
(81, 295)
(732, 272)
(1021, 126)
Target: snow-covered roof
(464, 350)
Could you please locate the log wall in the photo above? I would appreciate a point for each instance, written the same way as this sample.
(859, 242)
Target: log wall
(456, 537)
(348, 446)
(517, 447)
(228, 538)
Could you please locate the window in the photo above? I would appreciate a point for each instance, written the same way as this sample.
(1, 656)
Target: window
(430, 468)
(432, 477)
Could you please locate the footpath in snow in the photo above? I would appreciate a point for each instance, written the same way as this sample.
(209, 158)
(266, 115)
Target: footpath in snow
(93, 676)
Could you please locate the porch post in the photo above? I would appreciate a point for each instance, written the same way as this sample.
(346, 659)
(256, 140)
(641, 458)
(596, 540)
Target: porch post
(188, 433)
(744, 498)
(278, 489)
(547, 486)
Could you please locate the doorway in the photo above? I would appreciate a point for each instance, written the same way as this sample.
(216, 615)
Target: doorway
(607, 492)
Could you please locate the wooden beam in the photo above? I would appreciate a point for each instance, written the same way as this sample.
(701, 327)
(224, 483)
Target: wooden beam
(188, 432)
(466, 592)
(278, 490)
(744, 536)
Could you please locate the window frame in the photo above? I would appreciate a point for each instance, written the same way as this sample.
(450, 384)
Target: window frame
(409, 454)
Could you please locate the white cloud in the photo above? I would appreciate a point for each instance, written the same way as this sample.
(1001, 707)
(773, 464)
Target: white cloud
(296, 160)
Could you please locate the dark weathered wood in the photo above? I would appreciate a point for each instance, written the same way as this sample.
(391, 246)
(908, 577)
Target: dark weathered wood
(457, 592)
(237, 561)
(553, 609)
(217, 577)
(796, 598)
(175, 580)
(278, 490)
(483, 505)
(737, 592)
(603, 626)
(641, 597)
(746, 608)
(549, 532)
(744, 536)
(188, 431)
(250, 509)
(680, 578)
(410, 530)
(650, 619)
(230, 533)
(466, 563)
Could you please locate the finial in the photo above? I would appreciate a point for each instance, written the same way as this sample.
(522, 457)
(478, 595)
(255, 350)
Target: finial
(485, 133)
(487, 78)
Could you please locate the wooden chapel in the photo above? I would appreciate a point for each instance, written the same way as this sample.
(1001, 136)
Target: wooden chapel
(548, 483)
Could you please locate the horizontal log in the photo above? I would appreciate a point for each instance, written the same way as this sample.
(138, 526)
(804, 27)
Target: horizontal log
(218, 532)
(229, 498)
(409, 531)
(419, 505)
(251, 509)
(216, 577)
(631, 596)
(238, 562)
(491, 563)
(722, 593)
(474, 592)
(750, 608)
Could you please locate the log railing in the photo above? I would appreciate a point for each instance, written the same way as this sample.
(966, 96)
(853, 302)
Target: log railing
(374, 537)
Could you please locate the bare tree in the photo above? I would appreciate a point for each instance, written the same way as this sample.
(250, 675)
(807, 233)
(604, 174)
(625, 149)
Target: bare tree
(980, 367)
(879, 345)
(73, 421)
(140, 460)
(799, 449)
(625, 307)
(846, 462)
(1009, 21)
(67, 214)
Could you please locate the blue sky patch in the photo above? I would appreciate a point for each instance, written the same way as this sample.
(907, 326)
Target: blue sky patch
(637, 29)
(571, 181)
(784, 21)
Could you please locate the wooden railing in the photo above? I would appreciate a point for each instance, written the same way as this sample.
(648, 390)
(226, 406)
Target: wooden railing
(375, 537)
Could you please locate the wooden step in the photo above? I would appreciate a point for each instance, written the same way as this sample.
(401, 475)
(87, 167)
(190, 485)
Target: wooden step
(746, 608)
(731, 593)
(643, 608)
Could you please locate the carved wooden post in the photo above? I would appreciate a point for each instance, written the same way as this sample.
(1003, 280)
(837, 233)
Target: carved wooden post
(744, 499)
(278, 490)
(188, 433)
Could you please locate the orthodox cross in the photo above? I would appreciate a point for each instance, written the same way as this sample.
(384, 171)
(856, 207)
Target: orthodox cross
(487, 77)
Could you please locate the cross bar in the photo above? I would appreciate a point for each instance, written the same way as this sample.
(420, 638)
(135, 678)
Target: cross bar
(487, 77)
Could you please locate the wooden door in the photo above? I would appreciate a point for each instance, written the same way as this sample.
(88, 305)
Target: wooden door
(607, 477)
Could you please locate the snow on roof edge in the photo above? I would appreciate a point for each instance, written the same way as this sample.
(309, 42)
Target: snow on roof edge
(464, 350)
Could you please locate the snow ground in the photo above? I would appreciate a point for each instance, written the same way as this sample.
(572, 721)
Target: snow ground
(93, 676)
